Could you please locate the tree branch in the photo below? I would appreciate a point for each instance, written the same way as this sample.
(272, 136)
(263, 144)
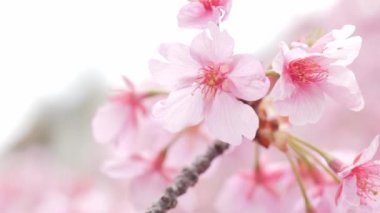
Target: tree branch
(188, 178)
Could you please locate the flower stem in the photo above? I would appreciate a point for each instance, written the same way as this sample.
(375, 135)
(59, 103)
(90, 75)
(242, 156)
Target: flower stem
(300, 154)
(316, 160)
(187, 178)
(322, 153)
(153, 93)
(257, 157)
(308, 205)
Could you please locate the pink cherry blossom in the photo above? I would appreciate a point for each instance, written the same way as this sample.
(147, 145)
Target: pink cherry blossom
(41, 184)
(118, 116)
(123, 120)
(360, 188)
(308, 74)
(207, 80)
(252, 191)
(146, 173)
(198, 13)
(148, 176)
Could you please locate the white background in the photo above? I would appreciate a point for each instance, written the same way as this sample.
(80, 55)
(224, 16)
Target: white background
(45, 45)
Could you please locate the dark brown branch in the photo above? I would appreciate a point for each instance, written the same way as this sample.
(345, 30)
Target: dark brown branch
(188, 178)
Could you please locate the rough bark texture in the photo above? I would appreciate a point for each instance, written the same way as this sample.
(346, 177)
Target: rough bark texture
(187, 178)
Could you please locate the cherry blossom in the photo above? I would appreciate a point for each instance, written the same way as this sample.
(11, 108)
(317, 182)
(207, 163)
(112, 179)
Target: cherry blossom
(119, 117)
(198, 13)
(207, 80)
(252, 191)
(360, 188)
(40, 184)
(308, 74)
(148, 175)
(125, 121)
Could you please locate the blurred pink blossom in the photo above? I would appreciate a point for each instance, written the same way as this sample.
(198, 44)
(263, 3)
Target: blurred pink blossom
(148, 176)
(119, 118)
(252, 191)
(126, 123)
(319, 187)
(40, 185)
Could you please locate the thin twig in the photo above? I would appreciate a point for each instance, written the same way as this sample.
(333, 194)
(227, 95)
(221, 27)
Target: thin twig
(188, 178)
(308, 205)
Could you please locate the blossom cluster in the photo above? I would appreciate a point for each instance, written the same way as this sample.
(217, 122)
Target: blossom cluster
(204, 92)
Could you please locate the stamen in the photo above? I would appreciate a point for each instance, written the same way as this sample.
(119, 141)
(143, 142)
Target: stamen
(306, 71)
(211, 79)
(367, 183)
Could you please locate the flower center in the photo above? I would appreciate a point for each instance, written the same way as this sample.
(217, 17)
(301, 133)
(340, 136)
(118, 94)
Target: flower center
(208, 4)
(211, 78)
(133, 102)
(368, 182)
(306, 71)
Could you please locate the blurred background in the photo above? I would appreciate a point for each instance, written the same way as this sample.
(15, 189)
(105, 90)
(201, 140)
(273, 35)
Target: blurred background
(60, 59)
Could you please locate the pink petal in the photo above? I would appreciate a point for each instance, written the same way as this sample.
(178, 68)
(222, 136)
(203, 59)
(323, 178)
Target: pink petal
(323, 201)
(243, 195)
(235, 192)
(195, 15)
(283, 89)
(152, 131)
(279, 60)
(345, 50)
(348, 196)
(368, 153)
(170, 75)
(146, 188)
(341, 85)
(109, 121)
(226, 7)
(187, 203)
(318, 200)
(183, 108)
(304, 106)
(338, 194)
(320, 44)
(345, 32)
(337, 44)
(299, 44)
(248, 78)
(180, 69)
(229, 119)
(178, 54)
(342, 33)
(214, 48)
(124, 168)
(188, 147)
(295, 53)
